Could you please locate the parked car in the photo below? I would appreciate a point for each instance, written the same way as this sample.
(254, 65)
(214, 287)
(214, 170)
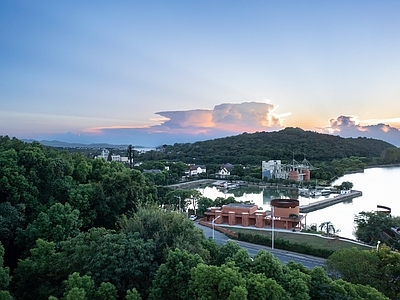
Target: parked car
(193, 217)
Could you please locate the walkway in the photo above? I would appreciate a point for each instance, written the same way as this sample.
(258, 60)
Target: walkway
(329, 201)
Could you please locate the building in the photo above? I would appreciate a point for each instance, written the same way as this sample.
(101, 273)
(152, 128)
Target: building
(195, 170)
(284, 213)
(115, 158)
(224, 171)
(104, 154)
(274, 169)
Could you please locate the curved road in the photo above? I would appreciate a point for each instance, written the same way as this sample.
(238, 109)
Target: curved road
(283, 255)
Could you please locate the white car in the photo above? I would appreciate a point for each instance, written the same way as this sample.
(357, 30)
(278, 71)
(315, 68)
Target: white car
(193, 217)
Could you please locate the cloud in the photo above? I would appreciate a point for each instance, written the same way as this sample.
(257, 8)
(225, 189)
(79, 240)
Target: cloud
(229, 117)
(350, 126)
(188, 126)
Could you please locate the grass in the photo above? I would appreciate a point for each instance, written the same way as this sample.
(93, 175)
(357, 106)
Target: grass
(313, 240)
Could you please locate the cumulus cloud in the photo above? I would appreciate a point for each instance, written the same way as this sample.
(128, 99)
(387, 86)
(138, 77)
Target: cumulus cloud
(199, 124)
(350, 126)
(231, 117)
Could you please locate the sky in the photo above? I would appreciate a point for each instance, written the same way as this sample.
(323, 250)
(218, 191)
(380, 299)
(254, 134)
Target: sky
(162, 72)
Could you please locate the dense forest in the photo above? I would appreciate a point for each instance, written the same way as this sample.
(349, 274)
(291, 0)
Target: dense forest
(289, 143)
(73, 227)
(331, 156)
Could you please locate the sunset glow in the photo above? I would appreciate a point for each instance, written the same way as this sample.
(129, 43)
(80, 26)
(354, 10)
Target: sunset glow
(129, 73)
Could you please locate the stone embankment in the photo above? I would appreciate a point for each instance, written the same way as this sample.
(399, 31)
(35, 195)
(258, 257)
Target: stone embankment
(223, 230)
(191, 184)
(329, 201)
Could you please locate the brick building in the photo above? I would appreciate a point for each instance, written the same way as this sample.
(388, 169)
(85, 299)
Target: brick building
(285, 212)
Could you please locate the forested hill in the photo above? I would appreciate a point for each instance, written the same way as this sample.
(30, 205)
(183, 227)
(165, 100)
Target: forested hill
(253, 148)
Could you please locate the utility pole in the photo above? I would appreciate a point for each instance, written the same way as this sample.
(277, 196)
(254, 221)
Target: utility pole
(273, 220)
(179, 197)
(130, 156)
(213, 222)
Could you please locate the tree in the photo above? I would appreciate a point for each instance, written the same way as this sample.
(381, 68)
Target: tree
(242, 260)
(123, 259)
(180, 200)
(11, 218)
(353, 265)
(372, 226)
(83, 288)
(120, 191)
(328, 227)
(238, 170)
(57, 224)
(79, 287)
(203, 203)
(212, 249)
(227, 252)
(265, 263)
(41, 275)
(320, 284)
(260, 287)
(212, 282)
(81, 198)
(133, 294)
(168, 230)
(4, 277)
(106, 291)
(345, 185)
(172, 278)
(82, 169)
(296, 283)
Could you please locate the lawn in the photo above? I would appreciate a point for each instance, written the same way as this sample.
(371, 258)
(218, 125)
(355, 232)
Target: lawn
(313, 240)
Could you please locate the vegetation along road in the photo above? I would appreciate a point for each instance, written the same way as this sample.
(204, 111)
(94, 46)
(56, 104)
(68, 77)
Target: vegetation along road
(284, 256)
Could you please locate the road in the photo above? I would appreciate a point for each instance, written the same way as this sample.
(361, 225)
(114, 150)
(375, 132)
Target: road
(283, 255)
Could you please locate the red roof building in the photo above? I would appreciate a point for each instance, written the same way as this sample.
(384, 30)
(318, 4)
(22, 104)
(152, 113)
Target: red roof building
(285, 213)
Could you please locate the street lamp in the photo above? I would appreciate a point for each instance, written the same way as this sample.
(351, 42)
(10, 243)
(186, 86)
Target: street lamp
(179, 197)
(213, 221)
(273, 219)
(377, 245)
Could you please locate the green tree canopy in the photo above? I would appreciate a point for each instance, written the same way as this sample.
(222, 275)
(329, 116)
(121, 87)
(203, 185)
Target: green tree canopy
(172, 278)
(168, 230)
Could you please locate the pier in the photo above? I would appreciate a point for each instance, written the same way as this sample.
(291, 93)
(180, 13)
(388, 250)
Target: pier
(329, 201)
(191, 184)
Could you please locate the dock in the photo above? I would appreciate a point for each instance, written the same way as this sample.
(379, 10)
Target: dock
(191, 184)
(329, 201)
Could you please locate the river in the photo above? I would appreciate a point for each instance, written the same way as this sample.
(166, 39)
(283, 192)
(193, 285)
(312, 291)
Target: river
(380, 186)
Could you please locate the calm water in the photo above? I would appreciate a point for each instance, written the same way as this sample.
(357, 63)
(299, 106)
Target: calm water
(380, 186)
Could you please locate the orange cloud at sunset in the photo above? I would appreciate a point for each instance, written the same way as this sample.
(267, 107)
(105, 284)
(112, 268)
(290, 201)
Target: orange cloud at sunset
(232, 117)
(350, 126)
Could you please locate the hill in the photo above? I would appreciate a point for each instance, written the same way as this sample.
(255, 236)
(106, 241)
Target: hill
(285, 145)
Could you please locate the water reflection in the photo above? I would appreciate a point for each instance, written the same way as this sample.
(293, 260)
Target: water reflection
(379, 187)
(258, 195)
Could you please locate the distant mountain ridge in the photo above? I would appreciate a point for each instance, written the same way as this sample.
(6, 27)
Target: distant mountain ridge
(247, 148)
(283, 145)
(59, 144)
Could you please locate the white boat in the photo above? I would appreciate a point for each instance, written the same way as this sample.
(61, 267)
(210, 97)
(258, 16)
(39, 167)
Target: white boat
(303, 191)
(232, 186)
(325, 192)
(315, 193)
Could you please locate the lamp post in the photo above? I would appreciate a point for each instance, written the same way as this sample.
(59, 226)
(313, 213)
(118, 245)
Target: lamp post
(377, 245)
(273, 219)
(179, 197)
(213, 221)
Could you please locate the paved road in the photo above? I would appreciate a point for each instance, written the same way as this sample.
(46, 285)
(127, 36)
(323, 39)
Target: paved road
(283, 255)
